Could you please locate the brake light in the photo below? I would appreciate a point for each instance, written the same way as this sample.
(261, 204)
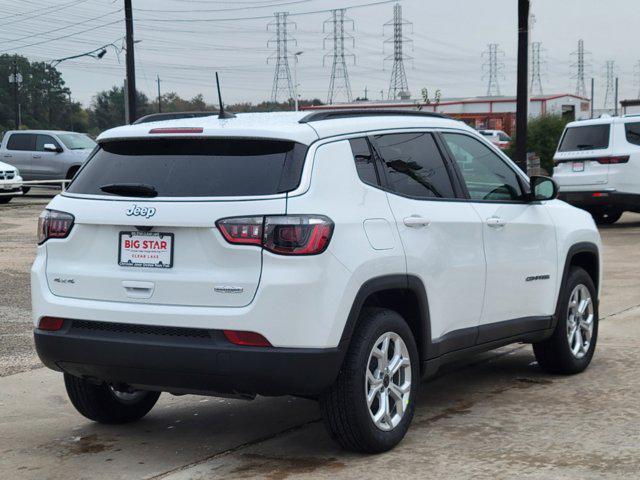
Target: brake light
(54, 224)
(177, 130)
(249, 339)
(281, 234)
(51, 324)
(612, 160)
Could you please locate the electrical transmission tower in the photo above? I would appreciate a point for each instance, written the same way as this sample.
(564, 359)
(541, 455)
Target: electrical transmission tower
(493, 68)
(282, 83)
(339, 82)
(536, 64)
(398, 86)
(609, 95)
(580, 66)
(637, 75)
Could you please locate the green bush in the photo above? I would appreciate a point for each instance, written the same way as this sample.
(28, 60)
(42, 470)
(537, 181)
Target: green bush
(543, 137)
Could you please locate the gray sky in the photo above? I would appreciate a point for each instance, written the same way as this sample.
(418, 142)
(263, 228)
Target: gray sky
(185, 44)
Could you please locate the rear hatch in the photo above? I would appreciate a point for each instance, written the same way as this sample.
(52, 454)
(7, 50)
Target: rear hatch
(578, 161)
(166, 249)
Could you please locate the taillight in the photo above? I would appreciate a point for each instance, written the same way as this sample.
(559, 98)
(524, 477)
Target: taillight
(281, 234)
(54, 224)
(51, 324)
(612, 160)
(249, 339)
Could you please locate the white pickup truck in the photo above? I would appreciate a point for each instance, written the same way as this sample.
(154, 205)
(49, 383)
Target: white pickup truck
(10, 182)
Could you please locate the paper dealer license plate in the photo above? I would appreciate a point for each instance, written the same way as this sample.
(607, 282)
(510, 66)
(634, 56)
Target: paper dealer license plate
(145, 249)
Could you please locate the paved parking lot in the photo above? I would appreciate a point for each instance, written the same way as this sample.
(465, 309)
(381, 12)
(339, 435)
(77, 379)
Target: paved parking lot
(495, 416)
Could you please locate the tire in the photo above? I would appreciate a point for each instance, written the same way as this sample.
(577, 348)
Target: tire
(25, 190)
(4, 200)
(344, 407)
(607, 217)
(100, 403)
(555, 354)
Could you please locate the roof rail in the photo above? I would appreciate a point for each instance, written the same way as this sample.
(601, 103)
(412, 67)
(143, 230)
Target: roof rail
(366, 112)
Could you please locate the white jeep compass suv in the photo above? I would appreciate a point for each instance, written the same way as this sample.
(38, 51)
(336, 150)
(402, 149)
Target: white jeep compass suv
(597, 166)
(336, 255)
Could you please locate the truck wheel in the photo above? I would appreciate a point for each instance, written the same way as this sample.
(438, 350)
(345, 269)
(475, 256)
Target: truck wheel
(25, 190)
(607, 217)
(104, 404)
(4, 200)
(371, 404)
(570, 349)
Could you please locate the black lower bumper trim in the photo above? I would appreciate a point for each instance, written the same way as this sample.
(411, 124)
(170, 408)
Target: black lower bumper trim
(602, 200)
(187, 364)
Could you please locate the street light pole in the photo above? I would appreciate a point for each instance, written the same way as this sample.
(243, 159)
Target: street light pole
(131, 69)
(16, 103)
(295, 79)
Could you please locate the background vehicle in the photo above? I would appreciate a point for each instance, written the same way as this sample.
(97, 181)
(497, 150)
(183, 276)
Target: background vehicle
(10, 182)
(323, 255)
(45, 154)
(597, 166)
(497, 137)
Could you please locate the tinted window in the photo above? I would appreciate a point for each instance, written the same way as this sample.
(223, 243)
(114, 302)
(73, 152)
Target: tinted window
(486, 175)
(365, 162)
(42, 140)
(589, 137)
(504, 137)
(414, 166)
(632, 130)
(21, 141)
(195, 167)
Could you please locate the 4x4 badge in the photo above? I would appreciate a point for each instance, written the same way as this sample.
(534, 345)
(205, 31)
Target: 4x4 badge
(137, 211)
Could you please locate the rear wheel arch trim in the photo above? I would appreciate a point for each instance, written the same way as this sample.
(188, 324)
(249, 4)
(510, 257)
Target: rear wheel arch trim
(383, 283)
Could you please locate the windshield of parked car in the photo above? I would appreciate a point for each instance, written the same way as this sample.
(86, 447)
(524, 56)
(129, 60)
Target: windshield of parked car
(588, 137)
(76, 141)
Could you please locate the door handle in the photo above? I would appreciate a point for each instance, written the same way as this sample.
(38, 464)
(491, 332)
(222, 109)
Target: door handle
(138, 289)
(7, 156)
(37, 156)
(496, 222)
(416, 222)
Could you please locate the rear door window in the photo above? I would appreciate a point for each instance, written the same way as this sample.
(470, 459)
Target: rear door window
(414, 165)
(632, 131)
(589, 137)
(195, 167)
(21, 141)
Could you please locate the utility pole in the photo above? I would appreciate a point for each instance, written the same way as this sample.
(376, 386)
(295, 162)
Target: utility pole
(493, 68)
(609, 92)
(131, 66)
(536, 78)
(339, 75)
(581, 89)
(16, 102)
(592, 94)
(296, 57)
(159, 96)
(398, 86)
(366, 91)
(522, 88)
(282, 78)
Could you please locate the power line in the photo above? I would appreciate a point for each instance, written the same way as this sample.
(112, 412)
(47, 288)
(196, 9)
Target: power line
(210, 10)
(42, 11)
(339, 82)
(398, 85)
(493, 68)
(282, 77)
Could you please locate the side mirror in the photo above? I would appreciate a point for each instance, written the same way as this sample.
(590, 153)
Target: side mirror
(50, 147)
(543, 188)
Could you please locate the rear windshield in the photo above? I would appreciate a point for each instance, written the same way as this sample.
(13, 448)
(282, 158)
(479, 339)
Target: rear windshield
(195, 167)
(590, 137)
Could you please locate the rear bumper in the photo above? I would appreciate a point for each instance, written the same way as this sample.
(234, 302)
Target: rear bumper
(602, 200)
(14, 192)
(184, 360)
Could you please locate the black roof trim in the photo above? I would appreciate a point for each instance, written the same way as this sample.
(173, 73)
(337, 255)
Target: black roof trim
(366, 112)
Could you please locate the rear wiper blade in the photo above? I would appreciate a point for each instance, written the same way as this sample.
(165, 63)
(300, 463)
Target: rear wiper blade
(130, 189)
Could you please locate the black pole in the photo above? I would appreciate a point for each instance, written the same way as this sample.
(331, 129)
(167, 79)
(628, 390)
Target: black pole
(16, 103)
(615, 111)
(592, 93)
(523, 94)
(131, 67)
(159, 97)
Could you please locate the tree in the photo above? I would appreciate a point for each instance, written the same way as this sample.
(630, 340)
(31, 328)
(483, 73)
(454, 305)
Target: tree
(543, 135)
(107, 109)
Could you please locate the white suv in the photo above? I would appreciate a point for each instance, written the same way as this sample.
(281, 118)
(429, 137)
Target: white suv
(597, 166)
(10, 182)
(337, 255)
